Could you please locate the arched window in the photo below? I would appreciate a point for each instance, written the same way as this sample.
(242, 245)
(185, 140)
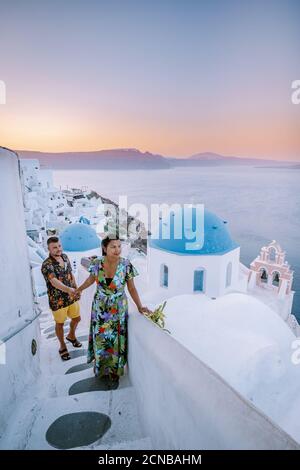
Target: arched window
(263, 275)
(198, 280)
(164, 275)
(228, 274)
(275, 278)
(272, 254)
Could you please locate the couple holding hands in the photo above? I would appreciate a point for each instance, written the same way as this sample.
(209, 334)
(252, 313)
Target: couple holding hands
(108, 333)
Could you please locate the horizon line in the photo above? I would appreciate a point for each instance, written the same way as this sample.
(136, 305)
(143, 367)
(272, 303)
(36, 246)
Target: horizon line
(179, 157)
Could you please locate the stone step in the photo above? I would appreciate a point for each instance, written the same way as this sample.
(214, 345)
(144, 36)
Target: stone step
(29, 426)
(82, 381)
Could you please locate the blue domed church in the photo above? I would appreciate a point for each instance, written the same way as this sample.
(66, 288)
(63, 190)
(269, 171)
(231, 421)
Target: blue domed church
(191, 251)
(80, 240)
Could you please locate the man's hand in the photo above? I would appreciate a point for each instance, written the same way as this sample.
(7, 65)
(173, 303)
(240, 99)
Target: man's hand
(72, 292)
(77, 294)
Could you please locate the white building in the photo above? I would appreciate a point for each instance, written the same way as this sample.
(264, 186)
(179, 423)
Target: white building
(211, 269)
(30, 169)
(19, 328)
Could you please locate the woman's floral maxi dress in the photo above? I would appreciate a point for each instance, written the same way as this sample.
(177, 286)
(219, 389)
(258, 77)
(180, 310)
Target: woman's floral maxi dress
(108, 338)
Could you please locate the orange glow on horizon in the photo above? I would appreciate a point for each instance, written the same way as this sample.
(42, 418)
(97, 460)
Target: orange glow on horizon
(257, 139)
(66, 129)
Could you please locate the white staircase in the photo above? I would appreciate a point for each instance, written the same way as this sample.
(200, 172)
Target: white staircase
(48, 400)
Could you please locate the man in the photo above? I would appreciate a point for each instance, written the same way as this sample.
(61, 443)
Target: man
(62, 295)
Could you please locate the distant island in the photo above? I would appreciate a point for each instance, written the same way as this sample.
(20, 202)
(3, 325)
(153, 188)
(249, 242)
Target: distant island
(134, 159)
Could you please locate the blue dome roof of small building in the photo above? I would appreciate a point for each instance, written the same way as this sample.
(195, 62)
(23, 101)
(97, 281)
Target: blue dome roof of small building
(79, 237)
(217, 239)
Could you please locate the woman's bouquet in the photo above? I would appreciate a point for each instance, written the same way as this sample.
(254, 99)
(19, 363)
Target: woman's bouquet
(158, 316)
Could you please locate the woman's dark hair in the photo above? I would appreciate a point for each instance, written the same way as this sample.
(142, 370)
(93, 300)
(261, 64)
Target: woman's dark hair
(105, 242)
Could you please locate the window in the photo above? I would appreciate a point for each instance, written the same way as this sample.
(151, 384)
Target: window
(228, 274)
(164, 275)
(198, 280)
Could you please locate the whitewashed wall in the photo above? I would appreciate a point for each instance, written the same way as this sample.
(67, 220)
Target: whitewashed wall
(183, 404)
(18, 312)
(76, 256)
(214, 278)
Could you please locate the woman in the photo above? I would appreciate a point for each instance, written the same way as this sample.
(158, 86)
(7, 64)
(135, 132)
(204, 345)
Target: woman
(109, 317)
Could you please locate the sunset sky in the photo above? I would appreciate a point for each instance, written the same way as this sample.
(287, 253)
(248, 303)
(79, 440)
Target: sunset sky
(168, 76)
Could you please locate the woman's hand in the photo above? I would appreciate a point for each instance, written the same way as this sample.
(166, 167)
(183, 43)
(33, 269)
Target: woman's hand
(87, 283)
(77, 294)
(145, 310)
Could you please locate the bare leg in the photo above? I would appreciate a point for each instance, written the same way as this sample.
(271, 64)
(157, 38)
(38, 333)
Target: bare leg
(59, 330)
(73, 325)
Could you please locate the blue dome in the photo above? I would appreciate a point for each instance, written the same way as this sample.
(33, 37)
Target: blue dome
(79, 237)
(216, 240)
